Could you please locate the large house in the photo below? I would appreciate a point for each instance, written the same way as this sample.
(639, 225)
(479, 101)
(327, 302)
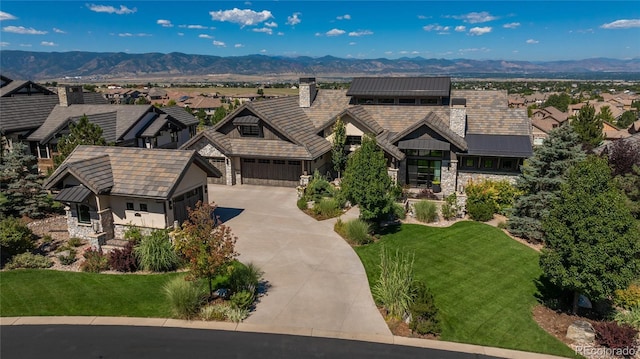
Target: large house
(106, 189)
(123, 125)
(428, 132)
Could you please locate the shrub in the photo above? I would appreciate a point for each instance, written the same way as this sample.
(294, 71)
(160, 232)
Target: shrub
(326, 208)
(133, 234)
(185, 297)
(243, 299)
(614, 336)
(628, 298)
(488, 195)
(46, 239)
(424, 313)
(393, 289)
(302, 203)
(480, 211)
(236, 315)
(69, 258)
(95, 261)
(629, 317)
(155, 252)
(245, 278)
(357, 231)
(29, 260)
(75, 242)
(426, 211)
(214, 312)
(318, 188)
(399, 211)
(15, 237)
(450, 207)
(123, 260)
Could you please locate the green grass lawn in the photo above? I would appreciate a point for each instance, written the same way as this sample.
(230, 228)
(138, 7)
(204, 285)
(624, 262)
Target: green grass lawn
(47, 292)
(484, 283)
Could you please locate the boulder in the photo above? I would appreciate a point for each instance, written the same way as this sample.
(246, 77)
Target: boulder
(581, 332)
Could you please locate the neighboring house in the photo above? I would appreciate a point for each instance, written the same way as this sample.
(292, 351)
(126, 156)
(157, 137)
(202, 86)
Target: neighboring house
(206, 103)
(428, 132)
(106, 189)
(544, 120)
(122, 125)
(24, 107)
(612, 132)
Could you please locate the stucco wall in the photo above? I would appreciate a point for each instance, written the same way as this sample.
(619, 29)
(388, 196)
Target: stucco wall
(154, 217)
(194, 177)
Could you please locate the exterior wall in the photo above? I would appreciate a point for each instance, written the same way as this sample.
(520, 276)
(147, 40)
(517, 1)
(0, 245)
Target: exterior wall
(449, 176)
(458, 120)
(194, 177)
(208, 151)
(464, 177)
(307, 93)
(120, 229)
(154, 217)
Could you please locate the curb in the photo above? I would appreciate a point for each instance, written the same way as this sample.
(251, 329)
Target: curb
(268, 329)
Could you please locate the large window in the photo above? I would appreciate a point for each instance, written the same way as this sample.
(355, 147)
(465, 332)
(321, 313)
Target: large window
(83, 213)
(249, 131)
(424, 153)
(422, 172)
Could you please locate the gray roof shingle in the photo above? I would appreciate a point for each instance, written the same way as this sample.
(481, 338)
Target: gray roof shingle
(25, 112)
(181, 115)
(400, 86)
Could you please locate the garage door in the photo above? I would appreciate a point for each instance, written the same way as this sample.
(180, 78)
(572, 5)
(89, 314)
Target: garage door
(220, 164)
(183, 202)
(271, 172)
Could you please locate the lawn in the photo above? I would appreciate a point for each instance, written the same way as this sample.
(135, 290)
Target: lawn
(49, 292)
(484, 283)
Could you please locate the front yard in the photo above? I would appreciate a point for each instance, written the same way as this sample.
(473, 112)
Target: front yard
(484, 283)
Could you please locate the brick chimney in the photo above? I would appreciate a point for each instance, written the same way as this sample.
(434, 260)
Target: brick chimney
(70, 95)
(307, 91)
(458, 116)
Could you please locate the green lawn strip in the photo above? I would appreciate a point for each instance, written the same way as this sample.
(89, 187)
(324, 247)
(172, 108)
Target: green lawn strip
(48, 292)
(483, 283)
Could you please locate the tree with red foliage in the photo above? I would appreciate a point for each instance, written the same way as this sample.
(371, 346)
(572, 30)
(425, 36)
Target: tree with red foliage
(206, 244)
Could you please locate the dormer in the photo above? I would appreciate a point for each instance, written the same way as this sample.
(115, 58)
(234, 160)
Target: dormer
(248, 126)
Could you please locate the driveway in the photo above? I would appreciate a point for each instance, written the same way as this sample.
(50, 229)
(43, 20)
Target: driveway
(316, 280)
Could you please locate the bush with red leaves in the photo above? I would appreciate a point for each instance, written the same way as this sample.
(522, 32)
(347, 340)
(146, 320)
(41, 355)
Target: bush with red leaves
(615, 336)
(123, 260)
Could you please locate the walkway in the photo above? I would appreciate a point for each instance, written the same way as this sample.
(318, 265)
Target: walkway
(316, 280)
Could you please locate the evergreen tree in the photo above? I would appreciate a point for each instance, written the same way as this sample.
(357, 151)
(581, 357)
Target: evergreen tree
(592, 245)
(540, 181)
(338, 155)
(605, 114)
(366, 181)
(82, 133)
(588, 126)
(627, 118)
(218, 115)
(21, 192)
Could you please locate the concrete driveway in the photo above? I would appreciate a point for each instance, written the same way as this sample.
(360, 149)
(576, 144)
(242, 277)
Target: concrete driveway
(316, 279)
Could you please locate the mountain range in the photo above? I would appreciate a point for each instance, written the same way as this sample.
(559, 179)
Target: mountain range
(39, 66)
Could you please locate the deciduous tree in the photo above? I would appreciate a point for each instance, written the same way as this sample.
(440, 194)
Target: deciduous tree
(338, 155)
(592, 245)
(207, 245)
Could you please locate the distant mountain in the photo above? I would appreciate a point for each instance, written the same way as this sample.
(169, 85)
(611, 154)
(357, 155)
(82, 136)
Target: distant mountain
(54, 65)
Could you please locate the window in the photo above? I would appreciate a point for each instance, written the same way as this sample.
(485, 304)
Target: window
(143, 207)
(174, 136)
(428, 101)
(42, 151)
(83, 213)
(249, 160)
(278, 162)
(249, 131)
(507, 165)
(265, 162)
(424, 153)
(469, 162)
(407, 101)
(129, 206)
(353, 140)
(487, 163)
(364, 101)
(295, 163)
(386, 101)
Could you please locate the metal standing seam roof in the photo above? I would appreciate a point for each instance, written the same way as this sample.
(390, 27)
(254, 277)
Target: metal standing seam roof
(155, 126)
(246, 120)
(499, 145)
(400, 86)
(424, 144)
(181, 115)
(136, 172)
(75, 194)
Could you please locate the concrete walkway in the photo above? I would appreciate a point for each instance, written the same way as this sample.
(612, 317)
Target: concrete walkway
(316, 281)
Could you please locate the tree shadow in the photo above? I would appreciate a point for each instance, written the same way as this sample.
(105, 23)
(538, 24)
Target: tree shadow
(225, 214)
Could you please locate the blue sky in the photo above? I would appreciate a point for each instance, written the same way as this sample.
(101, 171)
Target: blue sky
(509, 30)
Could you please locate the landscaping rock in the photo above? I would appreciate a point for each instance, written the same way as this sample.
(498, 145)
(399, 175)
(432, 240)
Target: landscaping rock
(582, 332)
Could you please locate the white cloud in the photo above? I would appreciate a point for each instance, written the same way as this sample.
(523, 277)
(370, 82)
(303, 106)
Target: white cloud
(435, 27)
(511, 25)
(318, 34)
(205, 36)
(473, 49)
(477, 31)
(335, 32)
(58, 31)
(263, 51)
(181, 34)
(352, 43)
(361, 33)
(128, 34)
(197, 27)
(265, 30)
(388, 52)
(237, 46)
(4, 43)
(280, 33)
(476, 17)
(245, 17)
(219, 43)
(48, 43)
(25, 45)
(422, 17)
(294, 19)
(164, 23)
(622, 24)
(271, 24)
(23, 30)
(6, 16)
(532, 41)
(344, 17)
(123, 10)
(461, 28)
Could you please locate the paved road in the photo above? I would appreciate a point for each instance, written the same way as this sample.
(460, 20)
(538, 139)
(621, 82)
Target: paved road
(78, 341)
(316, 280)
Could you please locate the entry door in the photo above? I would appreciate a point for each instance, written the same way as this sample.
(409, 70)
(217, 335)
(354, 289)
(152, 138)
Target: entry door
(421, 172)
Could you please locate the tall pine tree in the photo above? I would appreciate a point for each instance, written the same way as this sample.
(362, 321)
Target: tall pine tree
(338, 155)
(540, 181)
(588, 126)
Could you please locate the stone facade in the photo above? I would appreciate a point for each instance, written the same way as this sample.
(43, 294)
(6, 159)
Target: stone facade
(307, 92)
(120, 229)
(458, 120)
(465, 177)
(448, 177)
(209, 151)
